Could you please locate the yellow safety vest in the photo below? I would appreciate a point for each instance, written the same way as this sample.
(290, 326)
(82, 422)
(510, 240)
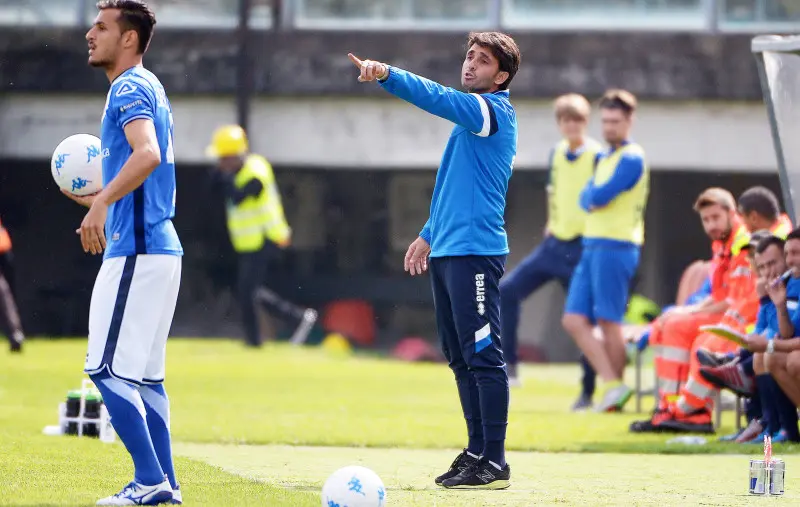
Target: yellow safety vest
(782, 227)
(566, 219)
(259, 217)
(623, 218)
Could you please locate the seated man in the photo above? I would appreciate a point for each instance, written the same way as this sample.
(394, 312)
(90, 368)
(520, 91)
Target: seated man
(779, 417)
(675, 333)
(783, 387)
(761, 212)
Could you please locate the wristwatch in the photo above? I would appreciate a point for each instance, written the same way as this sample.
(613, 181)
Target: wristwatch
(770, 346)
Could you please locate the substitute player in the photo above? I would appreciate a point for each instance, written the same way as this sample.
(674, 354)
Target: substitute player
(571, 166)
(134, 296)
(615, 199)
(466, 239)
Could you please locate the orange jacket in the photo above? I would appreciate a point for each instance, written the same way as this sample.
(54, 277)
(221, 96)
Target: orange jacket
(5, 240)
(731, 276)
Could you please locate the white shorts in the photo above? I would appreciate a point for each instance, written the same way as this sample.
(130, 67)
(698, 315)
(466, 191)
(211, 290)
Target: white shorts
(130, 315)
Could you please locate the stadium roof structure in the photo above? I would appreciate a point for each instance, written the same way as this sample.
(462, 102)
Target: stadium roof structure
(778, 61)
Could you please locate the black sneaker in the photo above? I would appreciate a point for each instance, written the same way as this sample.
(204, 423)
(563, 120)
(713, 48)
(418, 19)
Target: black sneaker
(584, 402)
(481, 475)
(16, 342)
(462, 462)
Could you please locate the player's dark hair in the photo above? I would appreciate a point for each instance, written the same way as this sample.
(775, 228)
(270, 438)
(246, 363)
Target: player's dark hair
(762, 201)
(769, 241)
(795, 234)
(619, 99)
(134, 15)
(503, 48)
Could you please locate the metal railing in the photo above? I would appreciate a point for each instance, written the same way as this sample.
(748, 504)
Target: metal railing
(677, 15)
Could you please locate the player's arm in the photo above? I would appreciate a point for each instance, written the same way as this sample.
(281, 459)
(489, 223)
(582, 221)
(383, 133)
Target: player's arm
(146, 156)
(425, 233)
(786, 321)
(626, 175)
(472, 111)
(789, 345)
(549, 188)
(710, 305)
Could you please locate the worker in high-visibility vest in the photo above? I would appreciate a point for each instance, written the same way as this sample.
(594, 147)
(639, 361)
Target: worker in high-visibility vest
(8, 306)
(256, 225)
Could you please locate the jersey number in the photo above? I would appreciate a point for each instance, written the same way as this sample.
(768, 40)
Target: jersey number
(170, 149)
(162, 102)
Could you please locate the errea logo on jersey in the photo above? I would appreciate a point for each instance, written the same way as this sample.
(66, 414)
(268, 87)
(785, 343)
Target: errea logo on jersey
(480, 293)
(126, 88)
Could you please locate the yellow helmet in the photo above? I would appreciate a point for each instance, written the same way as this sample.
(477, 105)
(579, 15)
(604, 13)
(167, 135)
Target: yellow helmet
(228, 141)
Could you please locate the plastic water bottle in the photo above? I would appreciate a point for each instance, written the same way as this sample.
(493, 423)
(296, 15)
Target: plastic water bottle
(688, 440)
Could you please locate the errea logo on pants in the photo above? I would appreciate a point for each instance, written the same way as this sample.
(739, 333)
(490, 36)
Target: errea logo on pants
(480, 293)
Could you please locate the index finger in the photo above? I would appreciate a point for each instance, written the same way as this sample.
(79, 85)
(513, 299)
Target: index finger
(353, 58)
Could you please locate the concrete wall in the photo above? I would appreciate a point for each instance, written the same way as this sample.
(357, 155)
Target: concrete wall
(381, 133)
(655, 65)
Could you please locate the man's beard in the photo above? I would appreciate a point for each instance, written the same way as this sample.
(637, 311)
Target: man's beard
(727, 233)
(477, 90)
(99, 64)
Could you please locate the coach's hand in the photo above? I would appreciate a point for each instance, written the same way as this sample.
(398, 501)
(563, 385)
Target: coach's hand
(92, 233)
(83, 200)
(370, 70)
(416, 261)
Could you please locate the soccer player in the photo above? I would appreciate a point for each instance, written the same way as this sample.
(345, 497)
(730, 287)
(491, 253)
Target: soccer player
(8, 305)
(257, 227)
(466, 240)
(571, 166)
(615, 198)
(129, 221)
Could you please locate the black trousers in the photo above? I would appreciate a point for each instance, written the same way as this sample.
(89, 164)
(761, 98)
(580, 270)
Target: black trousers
(7, 269)
(252, 291)
(466, 296)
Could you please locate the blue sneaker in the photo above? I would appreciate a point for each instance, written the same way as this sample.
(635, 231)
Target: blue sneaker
(139, 494)
(780, 437)
(777, 438)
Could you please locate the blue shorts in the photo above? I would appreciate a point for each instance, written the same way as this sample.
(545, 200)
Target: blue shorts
(601, 283)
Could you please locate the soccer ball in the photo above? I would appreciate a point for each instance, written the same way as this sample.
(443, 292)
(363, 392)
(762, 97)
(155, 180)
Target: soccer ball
(353, 486)
(77, 165)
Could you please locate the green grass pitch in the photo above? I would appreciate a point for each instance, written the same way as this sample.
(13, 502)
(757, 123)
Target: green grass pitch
(267, 427)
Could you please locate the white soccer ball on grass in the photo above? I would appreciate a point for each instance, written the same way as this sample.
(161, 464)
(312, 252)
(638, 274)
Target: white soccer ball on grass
(353, 486)
(77, 164)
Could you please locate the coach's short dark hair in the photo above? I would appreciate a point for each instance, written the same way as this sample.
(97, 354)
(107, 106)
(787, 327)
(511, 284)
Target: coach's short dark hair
(769, 241)
(762, 201)
(619, 99)
(795, 234)
(134, 15)
(503, 48)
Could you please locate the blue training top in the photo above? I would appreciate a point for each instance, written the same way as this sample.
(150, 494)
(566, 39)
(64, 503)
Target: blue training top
(469, 199)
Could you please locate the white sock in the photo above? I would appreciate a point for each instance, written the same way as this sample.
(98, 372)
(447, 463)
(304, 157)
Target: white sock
(495, 465)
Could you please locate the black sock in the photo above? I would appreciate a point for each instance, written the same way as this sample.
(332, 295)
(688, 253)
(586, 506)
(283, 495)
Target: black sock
(752, 407)
(787, 412)
(769, 419)
(493, 388)
(588, 379)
